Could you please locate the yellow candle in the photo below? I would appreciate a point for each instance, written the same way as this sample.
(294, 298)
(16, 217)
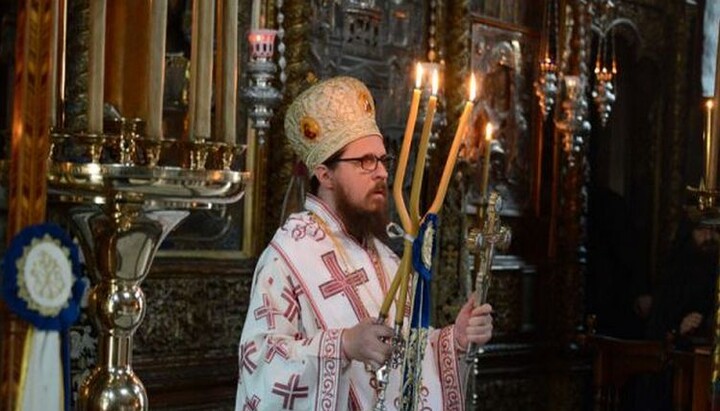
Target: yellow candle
(201, 63)
(156, 68)
(418, 173)
(710, 169)
(96, 66)
(226, 87)
(452, 155)
(255, 15)
(403, 273)
(421, 153)
(405, 151)
(486, 160)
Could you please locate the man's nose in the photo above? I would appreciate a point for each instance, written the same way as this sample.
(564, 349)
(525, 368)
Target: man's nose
(381, 170)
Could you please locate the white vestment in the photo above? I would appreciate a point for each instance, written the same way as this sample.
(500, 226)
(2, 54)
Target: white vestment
(313, 281)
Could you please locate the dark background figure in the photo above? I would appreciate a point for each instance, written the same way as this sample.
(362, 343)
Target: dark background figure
(684, 302)
(680, 309)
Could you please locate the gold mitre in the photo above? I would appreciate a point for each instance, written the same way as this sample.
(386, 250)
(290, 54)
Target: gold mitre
(328, 116)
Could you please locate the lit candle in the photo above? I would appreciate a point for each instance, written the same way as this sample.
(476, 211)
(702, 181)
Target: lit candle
(452, 155)
(404, 267)
(96, 66)
(710, 147)
(415, 196)
(201, 68)
(405, 151)
(226, 94)
(156, 68)
(422, 152)
(486, 160)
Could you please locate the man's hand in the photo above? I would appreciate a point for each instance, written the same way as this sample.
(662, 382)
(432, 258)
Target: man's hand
(690, 323)
(363, 343)
(473, 324)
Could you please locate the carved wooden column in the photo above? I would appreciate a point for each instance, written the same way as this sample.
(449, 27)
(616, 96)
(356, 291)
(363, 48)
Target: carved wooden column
(279, 156)
(566, 277)
(28, 154)
(569, 208)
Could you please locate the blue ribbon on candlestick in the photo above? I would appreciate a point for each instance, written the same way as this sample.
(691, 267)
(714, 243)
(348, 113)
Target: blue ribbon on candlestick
(40, 281)
(423, 254)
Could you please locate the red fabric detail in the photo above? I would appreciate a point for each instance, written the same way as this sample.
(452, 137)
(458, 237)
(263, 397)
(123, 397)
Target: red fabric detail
(276, 346)
(296, 274)
(293, 308)
(245, 351)
(329, 367)
(251, 404)
(267, 311)
(342, 283)
(301, 226)
(290, 391)
(449, 376)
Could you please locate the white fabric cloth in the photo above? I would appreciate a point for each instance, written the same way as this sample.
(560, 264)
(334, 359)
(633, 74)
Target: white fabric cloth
(309, 285)
(43, 385)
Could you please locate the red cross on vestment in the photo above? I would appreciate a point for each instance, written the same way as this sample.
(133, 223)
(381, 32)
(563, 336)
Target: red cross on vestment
(290, 391)
(251, 404)
(275, 346)
(342, 283)
(267, 311)
(293, 308)
(245, 351)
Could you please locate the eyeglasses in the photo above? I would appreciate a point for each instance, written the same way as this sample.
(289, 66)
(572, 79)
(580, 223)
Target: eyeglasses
(369, 162)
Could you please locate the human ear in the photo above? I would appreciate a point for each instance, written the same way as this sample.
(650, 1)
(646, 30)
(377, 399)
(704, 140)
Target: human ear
(324, 176)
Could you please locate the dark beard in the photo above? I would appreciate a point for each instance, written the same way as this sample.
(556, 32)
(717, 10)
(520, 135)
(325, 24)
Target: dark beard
(362, 223)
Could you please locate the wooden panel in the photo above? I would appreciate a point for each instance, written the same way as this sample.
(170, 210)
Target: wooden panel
(28, 153)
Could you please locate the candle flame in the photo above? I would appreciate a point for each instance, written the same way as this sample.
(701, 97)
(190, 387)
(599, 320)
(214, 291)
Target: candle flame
(488, 131)
(435, 82)
(418, 75)
(473, 86)
(709, 104)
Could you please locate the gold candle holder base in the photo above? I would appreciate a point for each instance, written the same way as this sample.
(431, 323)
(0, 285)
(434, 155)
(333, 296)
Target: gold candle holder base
(124, 195)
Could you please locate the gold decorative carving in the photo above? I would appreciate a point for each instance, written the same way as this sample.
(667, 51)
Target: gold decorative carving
(29, 148)
(280, 159)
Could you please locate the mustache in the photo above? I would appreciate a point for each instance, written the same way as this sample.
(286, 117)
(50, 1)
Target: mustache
(380, 186)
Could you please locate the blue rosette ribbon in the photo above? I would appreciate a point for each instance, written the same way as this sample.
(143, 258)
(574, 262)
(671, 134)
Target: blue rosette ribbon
(423, 253)
(40, 281)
